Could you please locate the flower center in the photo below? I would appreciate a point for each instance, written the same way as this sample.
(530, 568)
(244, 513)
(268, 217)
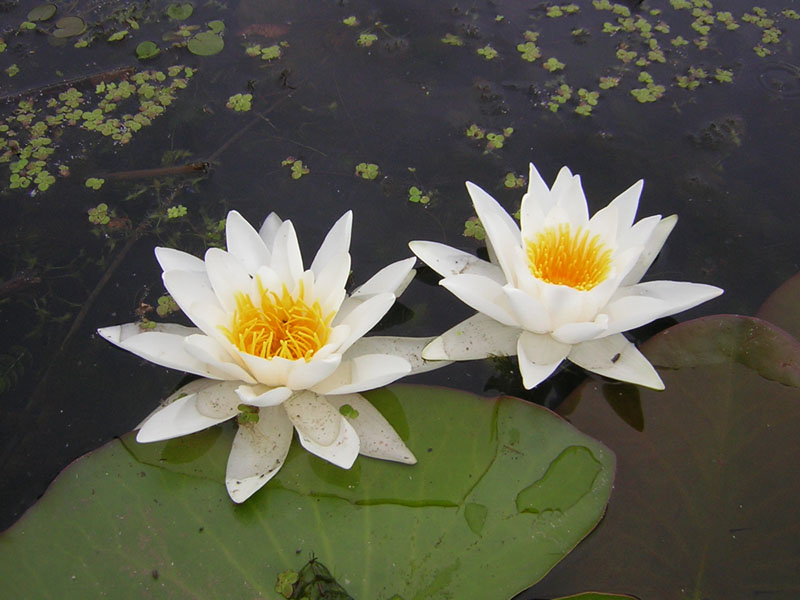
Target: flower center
(282, 326)
(558, 256)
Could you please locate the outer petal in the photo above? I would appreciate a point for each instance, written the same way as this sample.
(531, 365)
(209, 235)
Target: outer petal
(407, 348)
(322, 430)
(244, 243)
(538, 192)
(572, 200)
(304, 375)
(181, 417)
(574, 333)
(645, 302)
(539, 356)
(378, 439)
(337, 242)
(364, 373)
(189, 289)
(653, 246)
(330, 282)
(287, 261)
(364, 317)
(175, 260)
(258, 451)
(163, 346)
(626, 205)
(617, 358)
(482, 294)
(501, 230)
(228, 276)
(529, 312)
(211, 352)
(449, 261)
(479, 336)
(392, 279)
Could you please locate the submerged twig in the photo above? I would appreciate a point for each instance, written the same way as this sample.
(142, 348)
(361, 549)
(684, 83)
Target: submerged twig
(52, 88)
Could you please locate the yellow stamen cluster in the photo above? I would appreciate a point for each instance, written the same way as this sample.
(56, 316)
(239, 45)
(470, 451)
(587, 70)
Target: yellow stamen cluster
(556, 255)
(283, 326)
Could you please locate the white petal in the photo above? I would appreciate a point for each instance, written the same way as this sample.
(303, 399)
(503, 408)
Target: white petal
(189, 287)
(377, 437)
(272, 372)
(389, 279)
(573, 333)
(336, 243)
(642, 303)
(211, 352)
(269, 228)
(538, 192)
(539, 356)
(160, 346)
(573, 201)
(477, 337)
(287, 261)
(228, 277)
(483, 294)
(262, 395)
(449, 261)
(501, 230)
(626, 205)
(181, 417)
(408, 348)
(175, 260)
(363, 373)
(364, 317)
(562, 185)
(257, 453)
(330, 284)
(304, 375)
(653, 246)
(605, 224)
(244, 243)
(215, 399)
(617, 358)
(529, 312)
(314, 417)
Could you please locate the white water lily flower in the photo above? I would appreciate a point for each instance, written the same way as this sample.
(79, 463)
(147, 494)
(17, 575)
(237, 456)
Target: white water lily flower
(565, 286)
(279, 346)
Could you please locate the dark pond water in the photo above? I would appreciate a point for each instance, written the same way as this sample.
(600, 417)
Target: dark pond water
(722, 155)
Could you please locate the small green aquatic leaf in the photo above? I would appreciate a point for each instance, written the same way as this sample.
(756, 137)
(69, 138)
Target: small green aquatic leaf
(12, 70)
(488, 52)
(240, 102)
(205, 43)
(350, 21)
(452, 40)
(179, 12)
(96, 183)
(117, 36)
(367, 170)
(366, 39)
(147, 50)
(216, 26)
(43, 12)
(69, 27)
(568, 479)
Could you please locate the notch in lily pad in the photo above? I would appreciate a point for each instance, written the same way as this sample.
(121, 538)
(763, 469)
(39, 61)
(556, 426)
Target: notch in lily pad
(206, 43)
(69, 27)
(147, 50)
(43, 12)
(180, 11)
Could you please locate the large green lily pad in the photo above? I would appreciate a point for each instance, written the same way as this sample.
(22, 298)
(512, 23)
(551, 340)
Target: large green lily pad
(705, 503)
(135, 520)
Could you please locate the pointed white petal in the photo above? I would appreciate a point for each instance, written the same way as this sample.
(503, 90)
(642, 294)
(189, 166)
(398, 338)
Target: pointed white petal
(501, 230)
(244, 243)
(529, 312)
(573, 202)
(566, 305)
(539, 356)
(363, 373)
(482, 294)
(407, 348)
(269, 229)
(303, 375)
(257, 453)
(642, 303)
(626, 205)
(262, 395)
(377, 437)
(329, 285)
(389, 279)
(211, 352)
(449, 261)
(364, 317)
(272, 372)
(162, 346)
(477, 337)
(605, 224)
(181, 417)
(617, 358)
(336, 243)
(652, 247)
(538, 192)
(287, 261)
(175, 260)
(228, 277)
(189, 287)
(215, 399)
